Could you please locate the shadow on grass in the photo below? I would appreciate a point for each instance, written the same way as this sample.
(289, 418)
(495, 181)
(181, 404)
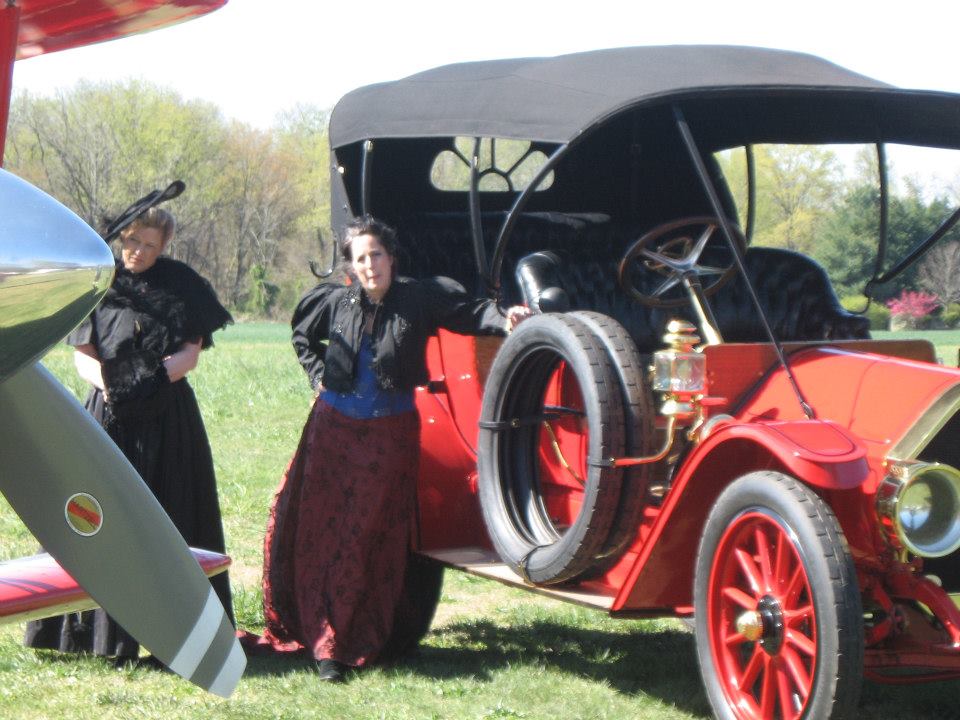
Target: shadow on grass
(270, 665)
(656, 664)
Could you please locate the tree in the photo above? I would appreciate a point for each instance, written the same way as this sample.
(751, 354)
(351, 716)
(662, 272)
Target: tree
(848, 244)
(796, 186)
(254, 198)
(850, 241)
(303, 132)
(802, 183)
(261, 206)
(98, 147)
(939, 271)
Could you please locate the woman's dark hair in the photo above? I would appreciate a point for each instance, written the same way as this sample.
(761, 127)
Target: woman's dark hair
(369, 225)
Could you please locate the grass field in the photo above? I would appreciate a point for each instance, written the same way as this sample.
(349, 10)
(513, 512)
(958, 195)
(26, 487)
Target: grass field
(493, 652)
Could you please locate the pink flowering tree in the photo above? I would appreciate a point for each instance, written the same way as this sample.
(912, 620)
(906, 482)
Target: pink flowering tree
(911, 309)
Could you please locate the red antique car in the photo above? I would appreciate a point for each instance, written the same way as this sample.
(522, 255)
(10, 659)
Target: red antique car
(691, 426)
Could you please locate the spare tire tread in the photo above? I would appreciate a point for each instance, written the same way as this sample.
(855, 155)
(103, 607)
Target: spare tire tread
(508, 459)
(639, 412)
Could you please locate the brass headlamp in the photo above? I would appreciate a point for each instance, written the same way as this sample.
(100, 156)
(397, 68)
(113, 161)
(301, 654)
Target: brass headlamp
(679, 371)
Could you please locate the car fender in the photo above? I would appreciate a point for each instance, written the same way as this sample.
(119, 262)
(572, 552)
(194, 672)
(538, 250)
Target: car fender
(820, 453)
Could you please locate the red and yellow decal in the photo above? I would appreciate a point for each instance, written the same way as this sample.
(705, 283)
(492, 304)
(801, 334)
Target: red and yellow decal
(84, 514)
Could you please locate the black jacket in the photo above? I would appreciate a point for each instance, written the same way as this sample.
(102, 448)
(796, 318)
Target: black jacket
(143, 318)
(411, 311)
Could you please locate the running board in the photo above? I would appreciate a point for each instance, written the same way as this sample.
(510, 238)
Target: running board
(487, 564)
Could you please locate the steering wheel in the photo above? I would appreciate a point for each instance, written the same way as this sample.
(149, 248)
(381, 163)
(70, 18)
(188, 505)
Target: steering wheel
(673, 250)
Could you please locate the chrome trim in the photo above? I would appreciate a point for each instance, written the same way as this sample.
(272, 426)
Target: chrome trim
(53, 271)
(711, 424)
(930, 422)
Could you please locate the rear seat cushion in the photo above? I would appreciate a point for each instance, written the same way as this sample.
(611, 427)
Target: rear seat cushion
(793, 289)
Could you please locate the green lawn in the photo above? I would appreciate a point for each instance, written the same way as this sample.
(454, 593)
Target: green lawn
(946, 342)
(494, 652)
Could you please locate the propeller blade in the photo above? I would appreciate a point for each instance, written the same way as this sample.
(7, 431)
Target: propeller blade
(53, 270)
(90, 510)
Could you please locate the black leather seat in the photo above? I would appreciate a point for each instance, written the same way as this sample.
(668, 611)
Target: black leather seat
(796, 296)
(793, 289)
(585, 251)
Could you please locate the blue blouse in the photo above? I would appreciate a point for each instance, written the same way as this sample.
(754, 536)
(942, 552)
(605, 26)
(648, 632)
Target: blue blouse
(368, 400)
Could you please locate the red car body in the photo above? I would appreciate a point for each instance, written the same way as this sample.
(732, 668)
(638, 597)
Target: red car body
(771, 502)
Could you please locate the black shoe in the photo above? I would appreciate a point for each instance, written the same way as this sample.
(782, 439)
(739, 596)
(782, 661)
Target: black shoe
(331, 671)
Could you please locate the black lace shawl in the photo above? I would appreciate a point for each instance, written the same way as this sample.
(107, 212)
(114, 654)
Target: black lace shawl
(156, 310)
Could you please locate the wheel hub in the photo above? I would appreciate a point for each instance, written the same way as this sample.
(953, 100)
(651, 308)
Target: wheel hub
(750, 625)
(763, 625)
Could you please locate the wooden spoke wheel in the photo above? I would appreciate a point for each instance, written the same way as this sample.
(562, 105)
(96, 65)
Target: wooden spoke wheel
(778, 617)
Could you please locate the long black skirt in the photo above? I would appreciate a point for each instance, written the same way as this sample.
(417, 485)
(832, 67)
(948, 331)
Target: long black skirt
(165, 440)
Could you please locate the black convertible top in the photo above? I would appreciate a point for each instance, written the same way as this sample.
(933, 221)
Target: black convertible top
(555, 99)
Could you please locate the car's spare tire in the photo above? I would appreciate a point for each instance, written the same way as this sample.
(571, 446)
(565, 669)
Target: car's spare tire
(639, 412)
(552, 419)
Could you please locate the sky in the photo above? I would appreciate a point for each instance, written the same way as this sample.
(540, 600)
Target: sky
(257, 58)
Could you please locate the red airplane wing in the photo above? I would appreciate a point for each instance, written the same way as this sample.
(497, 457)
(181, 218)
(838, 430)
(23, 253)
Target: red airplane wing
(51, 25)
(37, 587)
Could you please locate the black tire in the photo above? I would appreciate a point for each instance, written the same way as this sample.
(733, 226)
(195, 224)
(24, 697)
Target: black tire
(514, 511)
(813, 622)
(639, 412)
(422, 586)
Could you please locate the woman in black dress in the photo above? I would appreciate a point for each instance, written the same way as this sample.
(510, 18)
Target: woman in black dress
(136, 350)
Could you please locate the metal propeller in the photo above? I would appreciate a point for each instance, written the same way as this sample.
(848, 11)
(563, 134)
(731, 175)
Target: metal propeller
(65, 477)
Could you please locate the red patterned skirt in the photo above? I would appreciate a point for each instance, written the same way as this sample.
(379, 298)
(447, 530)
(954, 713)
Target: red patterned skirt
(339, 534)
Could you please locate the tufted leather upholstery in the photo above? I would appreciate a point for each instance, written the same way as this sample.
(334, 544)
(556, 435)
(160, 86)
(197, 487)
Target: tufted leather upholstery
(793, 289)
(439, 243)
(796, 296)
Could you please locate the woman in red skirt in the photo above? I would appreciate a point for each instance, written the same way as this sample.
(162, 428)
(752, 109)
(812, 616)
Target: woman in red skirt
(340, 525)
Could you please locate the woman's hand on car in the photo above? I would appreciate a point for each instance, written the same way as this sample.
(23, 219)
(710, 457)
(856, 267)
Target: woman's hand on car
(516, 314)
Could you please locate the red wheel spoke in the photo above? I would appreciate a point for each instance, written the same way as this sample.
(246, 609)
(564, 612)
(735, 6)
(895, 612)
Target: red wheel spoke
(749, 707)
(739, 597)
(783, 566)
(768, 691)
(797, 669)
(750, 570)
(799, 615)
(801, 642)
(765, 559)
(797, 584)
(752, 671)
(733, 639)
(785, 695)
